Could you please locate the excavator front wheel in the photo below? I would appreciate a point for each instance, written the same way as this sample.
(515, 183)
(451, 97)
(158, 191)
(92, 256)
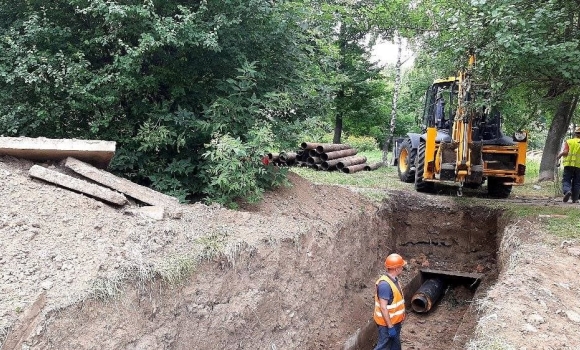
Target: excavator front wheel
(406, 161)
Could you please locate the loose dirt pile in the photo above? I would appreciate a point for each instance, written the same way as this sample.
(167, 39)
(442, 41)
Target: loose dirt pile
(71, 247)
(295, 271)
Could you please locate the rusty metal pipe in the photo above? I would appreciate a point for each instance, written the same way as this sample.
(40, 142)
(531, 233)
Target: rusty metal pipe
(353, 168)
(330, 147)
(427, 295)
(373, 166)
(314, 160)
(351, 161)
(331, 164)
(338, 154)
(273, 156)
(287, 156)
(309, 145)
(312, 153)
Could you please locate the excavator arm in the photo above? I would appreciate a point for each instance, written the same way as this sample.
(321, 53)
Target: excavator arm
(462, 133)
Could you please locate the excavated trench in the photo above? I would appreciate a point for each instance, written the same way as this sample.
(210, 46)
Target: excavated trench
(309, 292)
(453, 245)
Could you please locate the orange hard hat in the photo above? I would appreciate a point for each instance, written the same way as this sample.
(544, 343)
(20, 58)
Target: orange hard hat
(393, 261)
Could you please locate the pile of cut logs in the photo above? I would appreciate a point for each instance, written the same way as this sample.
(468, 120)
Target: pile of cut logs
(324, 156)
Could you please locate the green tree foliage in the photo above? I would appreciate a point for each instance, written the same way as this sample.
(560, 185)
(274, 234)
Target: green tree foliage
(521, 44)
(395, 21)
(415, 82)
(358, 83)
(411, 100)
(161, 77)
(361, 98)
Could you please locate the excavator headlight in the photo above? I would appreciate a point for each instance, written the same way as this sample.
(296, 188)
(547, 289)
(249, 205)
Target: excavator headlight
(520, 136)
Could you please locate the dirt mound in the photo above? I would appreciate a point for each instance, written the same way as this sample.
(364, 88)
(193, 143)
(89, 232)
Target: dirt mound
(305, 200)
(70, 246)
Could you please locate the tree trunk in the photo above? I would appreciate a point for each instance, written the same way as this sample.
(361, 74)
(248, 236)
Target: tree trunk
(339, 101)
(337, 128)
(391, 129)
(556, 135)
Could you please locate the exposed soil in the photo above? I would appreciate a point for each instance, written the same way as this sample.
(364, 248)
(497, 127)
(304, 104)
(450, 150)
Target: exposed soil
(296, 272)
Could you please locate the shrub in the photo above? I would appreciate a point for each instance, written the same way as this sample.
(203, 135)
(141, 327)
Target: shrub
(326, 138)
(362, 143)
(234, 169)
(291, 134)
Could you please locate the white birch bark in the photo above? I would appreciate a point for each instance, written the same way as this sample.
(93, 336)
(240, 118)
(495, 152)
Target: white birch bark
(391, 129)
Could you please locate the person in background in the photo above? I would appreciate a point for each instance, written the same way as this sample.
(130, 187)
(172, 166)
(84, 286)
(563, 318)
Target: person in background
(440, 111)
(389, 310)
(571, 162)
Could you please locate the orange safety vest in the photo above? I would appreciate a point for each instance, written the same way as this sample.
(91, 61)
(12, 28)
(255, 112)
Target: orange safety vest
(573, 157)
(396, 308)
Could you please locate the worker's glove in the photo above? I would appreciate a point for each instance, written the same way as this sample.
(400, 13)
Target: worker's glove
(392, 332)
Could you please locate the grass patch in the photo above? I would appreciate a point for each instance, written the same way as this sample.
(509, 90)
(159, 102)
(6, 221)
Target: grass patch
(171, 270)
(106, 288)
(212, 245)
(546, 189)
(371, 184)
(561, 221)
(372, 156)
(174, 270)
(565, 227)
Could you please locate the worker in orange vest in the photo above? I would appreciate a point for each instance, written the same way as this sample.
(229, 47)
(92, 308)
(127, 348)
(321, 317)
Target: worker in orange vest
(390, 304)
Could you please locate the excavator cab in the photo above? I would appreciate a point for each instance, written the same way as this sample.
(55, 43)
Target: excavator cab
(440, 100)
(462, 143)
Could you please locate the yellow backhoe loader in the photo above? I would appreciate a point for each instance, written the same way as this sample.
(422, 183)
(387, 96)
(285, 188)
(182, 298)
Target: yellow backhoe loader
(462, 143)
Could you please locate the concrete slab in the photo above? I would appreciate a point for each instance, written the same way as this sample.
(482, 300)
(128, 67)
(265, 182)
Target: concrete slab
(96, 152)
(131, 189)
(77, 185)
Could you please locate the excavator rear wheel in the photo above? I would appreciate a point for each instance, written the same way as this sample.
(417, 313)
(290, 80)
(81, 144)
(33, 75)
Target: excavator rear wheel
(497, 188)
(406, 161)
(420, 185)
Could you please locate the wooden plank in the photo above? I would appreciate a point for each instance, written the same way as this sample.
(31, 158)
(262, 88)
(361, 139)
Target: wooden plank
(131, 189)
(96, 152)
(77, 185)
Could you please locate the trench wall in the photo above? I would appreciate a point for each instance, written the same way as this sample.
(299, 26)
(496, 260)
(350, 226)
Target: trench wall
(311, 292)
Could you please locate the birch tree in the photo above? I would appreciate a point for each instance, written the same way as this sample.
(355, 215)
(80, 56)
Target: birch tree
(393, 120)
